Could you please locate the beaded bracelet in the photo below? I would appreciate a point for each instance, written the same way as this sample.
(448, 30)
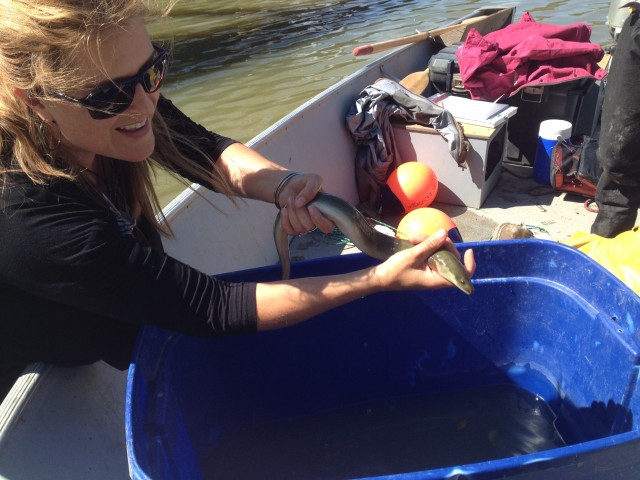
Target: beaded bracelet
(280, 186)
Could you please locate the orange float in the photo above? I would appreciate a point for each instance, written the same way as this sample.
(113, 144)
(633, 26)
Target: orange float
(414, 184)
(423, 222)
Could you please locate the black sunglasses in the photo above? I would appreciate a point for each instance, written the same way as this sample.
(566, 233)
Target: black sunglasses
(116, 96)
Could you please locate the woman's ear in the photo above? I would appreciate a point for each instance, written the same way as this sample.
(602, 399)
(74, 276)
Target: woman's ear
(34, 104)
(24, 96)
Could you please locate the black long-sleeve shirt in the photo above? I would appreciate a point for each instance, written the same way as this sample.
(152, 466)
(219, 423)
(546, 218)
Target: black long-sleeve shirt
(75, 289)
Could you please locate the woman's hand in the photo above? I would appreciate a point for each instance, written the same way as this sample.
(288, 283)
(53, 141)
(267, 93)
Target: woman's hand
(296, 217)
(251, 175)
(408, 269)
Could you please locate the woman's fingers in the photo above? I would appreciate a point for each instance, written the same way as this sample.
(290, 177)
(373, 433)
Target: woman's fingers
(432, 243)
(409, 269)
(296, 217)
(297, 221)
(320, 221)
(469, 262)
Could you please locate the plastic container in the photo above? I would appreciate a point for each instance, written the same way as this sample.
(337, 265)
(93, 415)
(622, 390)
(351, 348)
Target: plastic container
(550, 131)
(544, 318)
(562, 101)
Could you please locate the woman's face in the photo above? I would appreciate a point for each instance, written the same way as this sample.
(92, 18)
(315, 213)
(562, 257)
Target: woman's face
(127, 136)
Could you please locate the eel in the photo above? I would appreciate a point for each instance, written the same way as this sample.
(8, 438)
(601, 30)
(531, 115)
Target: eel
(376, 244)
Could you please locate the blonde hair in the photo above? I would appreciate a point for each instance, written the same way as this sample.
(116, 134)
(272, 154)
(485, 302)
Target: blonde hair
(41, 42)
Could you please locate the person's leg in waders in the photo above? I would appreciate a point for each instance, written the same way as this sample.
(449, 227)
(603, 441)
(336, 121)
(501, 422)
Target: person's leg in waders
(618, 192)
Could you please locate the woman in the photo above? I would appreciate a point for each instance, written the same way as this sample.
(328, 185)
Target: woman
(81, 263)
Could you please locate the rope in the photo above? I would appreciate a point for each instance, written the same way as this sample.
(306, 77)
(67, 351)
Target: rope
(589, 208)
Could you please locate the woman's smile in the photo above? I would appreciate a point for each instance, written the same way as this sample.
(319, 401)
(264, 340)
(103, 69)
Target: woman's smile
(137, 129)
(134, 126)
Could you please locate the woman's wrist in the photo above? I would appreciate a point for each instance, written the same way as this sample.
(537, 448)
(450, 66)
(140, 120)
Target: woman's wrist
(280, 187)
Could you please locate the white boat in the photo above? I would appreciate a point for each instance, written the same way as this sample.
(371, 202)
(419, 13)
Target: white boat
(69, 422)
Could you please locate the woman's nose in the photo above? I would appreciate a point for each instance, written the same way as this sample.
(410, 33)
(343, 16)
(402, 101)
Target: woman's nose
(144, 102)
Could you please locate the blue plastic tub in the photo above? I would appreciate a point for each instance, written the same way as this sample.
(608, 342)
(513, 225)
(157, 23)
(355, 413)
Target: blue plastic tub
(545, 320)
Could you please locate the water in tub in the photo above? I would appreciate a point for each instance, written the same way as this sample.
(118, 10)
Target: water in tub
(391, 436)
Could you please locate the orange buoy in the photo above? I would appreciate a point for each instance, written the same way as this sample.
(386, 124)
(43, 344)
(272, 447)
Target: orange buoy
(414, 184)
(423, 222)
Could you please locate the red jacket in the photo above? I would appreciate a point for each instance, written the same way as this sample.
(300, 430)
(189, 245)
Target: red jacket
(525, 54)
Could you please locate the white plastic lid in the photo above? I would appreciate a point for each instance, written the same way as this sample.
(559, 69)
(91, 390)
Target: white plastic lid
(552, 129)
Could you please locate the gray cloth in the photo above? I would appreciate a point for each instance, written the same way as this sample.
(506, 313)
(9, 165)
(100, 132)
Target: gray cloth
(369, 121)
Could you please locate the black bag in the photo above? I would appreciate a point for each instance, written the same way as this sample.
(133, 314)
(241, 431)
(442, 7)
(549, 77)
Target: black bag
(575, 167)
(444, 72)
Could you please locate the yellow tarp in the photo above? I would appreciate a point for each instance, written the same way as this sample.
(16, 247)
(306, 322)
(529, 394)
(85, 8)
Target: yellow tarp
(619, 255)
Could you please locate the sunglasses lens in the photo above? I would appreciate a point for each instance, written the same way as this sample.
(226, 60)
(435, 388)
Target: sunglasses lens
(152, 78)
(110, 100)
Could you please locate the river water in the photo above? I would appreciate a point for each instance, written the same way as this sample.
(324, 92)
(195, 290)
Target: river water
(239, 66)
